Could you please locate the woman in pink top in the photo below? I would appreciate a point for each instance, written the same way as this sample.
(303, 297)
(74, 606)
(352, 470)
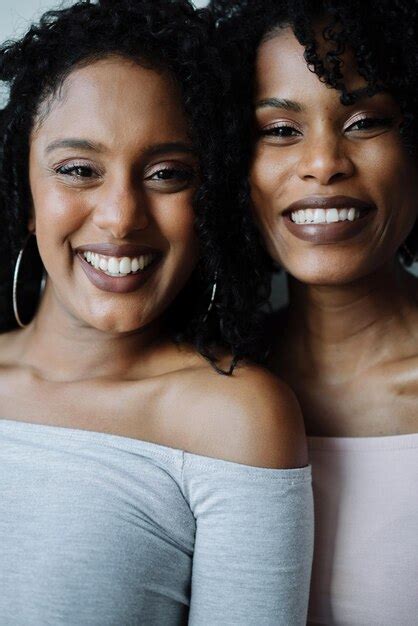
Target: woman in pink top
(330, 91)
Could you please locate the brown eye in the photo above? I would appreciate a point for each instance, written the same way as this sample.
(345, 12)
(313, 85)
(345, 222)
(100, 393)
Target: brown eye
(170, 177)
(370, 123)
(172, 174)
(76, 171)
(280, 131)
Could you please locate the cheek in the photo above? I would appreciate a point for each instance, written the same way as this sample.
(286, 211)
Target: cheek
(57, 217)
(394, 176)
(388, 167)
(175, 219)
(264, 172)
(266, 186)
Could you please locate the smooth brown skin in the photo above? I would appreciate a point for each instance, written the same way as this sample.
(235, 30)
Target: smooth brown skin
(348, 342)
(102, 361)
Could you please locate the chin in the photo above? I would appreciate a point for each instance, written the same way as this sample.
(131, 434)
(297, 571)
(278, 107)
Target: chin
(120, 328)
(114, 323)
(328, 273)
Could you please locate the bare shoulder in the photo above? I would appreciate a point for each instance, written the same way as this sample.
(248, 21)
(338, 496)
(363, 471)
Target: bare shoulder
(251, 417)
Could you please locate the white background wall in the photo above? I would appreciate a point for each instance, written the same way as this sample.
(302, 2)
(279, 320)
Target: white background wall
(16, 15)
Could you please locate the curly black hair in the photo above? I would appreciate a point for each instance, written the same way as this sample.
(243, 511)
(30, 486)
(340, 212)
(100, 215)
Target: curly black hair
(161, 34)
(383, 35)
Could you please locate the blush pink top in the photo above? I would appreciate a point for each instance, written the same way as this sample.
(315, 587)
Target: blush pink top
(365, 569)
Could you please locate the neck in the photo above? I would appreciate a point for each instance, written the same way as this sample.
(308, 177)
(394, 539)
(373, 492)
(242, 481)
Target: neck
(340, 328)
(60, 347)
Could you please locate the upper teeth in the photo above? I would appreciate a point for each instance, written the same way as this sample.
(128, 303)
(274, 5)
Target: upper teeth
(324, 216)
(114, 266)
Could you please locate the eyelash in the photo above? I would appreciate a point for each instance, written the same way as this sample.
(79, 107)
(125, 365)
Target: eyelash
(71, 169)
(183, 174)
(273, 131)
(371, 122)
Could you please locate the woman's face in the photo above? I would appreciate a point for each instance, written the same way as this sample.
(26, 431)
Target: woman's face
(112, 175)
(333, 188)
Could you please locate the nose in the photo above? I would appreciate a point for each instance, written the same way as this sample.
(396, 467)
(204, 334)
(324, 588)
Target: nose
(324, 160)
(122, 210)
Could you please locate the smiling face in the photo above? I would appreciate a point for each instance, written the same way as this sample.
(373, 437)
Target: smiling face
(333, 188)
(112, 176)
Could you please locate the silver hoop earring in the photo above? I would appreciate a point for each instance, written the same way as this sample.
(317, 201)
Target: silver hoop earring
(16, 280)
(212, 298)
(413, 258)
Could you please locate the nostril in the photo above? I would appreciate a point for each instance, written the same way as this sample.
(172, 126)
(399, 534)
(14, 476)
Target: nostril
(120, 221)
(327, 177)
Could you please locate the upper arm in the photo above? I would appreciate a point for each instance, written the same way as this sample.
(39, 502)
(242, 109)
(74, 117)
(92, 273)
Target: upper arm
(251, 418)
(253, 544)
(254, 517)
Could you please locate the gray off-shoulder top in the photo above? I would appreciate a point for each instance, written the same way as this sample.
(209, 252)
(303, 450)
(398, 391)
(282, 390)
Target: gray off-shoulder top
(103, 530)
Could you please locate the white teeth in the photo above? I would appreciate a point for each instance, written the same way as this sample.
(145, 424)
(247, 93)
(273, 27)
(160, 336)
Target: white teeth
(320, 216)
(114, 266)
(331, 215)
(324, 216)
(125, 265)
(309, 215)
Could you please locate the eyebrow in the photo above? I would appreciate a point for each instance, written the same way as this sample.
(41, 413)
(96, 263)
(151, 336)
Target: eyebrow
(78, 144)
(279, 103)
(86, 144)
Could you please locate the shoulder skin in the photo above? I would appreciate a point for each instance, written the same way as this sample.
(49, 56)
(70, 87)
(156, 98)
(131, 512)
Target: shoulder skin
(251, 417)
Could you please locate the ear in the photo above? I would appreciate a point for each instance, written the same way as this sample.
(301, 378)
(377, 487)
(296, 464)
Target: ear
(31, 221)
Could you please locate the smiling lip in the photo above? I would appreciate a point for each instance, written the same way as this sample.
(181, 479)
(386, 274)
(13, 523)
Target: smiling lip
(118, 284)
(117, 250)
(333, 232)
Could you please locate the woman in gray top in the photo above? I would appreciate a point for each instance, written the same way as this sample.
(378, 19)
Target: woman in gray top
(139, 485)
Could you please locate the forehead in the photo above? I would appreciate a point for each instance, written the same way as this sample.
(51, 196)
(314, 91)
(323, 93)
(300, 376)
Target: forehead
(114, 99)
(282, 68)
